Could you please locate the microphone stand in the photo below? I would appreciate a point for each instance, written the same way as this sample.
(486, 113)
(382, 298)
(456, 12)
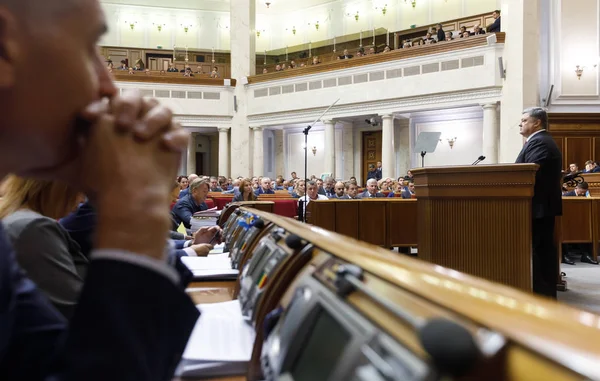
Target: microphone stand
(305, 132)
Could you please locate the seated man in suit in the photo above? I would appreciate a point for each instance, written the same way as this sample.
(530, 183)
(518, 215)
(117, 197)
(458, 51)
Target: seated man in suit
(351, 191)
(265, 187)
(591, 167)
(140, 314)
(214, 185)
(581, 190)
(339, 190)
(311, 194)
(409, 190)
(346, 55)
(495, 26)
(188, 205)
(372, 191)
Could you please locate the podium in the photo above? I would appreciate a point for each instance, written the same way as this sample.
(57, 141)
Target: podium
(477, 220)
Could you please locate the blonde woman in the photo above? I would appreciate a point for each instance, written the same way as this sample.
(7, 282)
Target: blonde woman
(29, 211)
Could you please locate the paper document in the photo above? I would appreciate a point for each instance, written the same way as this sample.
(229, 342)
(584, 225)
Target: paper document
(217, 266)
(220, 344)
(217, 249)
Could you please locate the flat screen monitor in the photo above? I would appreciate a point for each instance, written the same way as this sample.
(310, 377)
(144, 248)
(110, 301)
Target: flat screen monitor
(321, 350)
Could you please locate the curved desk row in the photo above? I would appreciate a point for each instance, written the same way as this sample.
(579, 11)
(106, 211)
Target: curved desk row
(328, 307)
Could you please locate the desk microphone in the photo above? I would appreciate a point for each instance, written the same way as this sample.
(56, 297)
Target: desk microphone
(479, 160)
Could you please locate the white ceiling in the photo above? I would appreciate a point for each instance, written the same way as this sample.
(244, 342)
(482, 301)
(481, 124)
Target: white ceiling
(277, 6)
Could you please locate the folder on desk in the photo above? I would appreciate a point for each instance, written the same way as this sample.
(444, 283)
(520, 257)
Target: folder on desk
(220, 344)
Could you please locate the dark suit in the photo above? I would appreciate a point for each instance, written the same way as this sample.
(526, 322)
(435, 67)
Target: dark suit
(260, 190)
(495, 26)
(346, 197)
(135, 336)
(441, 35)
(184, 210)
(546, 204)
(406, 194)
(366, 194)
(346, 57)
(80, 224)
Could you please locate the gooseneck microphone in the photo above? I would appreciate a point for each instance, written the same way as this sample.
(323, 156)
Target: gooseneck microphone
(479, 160)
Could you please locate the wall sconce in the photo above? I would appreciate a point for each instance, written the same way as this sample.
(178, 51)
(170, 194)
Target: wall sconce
(451, 141)
(186, 28)
(268, 3)
(412, 2)
(132, 24)
(579, 71)
(317, 25)
(314, 150)
(258, 33)
(384, 9)
(356, 16)
(294, 30)
(159, 26)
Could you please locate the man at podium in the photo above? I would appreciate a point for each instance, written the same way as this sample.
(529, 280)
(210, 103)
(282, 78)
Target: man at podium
(546, 204)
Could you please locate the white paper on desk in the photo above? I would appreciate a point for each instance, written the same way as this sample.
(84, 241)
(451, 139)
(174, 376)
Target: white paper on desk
(224, 274)
(217, 249)
(211, 262)
(220, 344)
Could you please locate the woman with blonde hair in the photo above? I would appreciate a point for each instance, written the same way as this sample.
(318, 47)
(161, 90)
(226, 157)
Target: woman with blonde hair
(29, 211)
(246, 192)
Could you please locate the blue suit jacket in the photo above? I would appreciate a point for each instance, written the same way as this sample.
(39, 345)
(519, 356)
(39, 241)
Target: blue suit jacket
(184, 210)
(81, 224)
(117, 332)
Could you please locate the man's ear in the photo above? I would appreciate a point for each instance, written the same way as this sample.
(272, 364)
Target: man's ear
(9, 48)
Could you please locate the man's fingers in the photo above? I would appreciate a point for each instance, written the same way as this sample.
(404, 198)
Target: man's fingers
(158, 119)
(95, 110)
(176, 140)
(127, 109)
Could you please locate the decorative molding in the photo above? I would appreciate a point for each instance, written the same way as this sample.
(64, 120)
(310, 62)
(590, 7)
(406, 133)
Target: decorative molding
(224, 129)
(467, 97)
(203, 121)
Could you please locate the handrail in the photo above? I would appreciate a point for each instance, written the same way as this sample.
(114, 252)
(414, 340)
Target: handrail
(170, 78)
(394, 55)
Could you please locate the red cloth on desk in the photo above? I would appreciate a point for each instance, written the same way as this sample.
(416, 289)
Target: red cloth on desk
(286, 208)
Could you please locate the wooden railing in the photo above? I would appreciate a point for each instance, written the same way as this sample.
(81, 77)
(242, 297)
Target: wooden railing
(171, 78)
(395, 55)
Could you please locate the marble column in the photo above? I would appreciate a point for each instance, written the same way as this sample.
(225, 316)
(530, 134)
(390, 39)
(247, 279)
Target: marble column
(259, 154)
(279, 153)
(520, 89)
(402, 144)
(388, 155)
(191, 154)
(243, 64)
(491, 133)
(348, 150)
(224, 152)
(329, 149)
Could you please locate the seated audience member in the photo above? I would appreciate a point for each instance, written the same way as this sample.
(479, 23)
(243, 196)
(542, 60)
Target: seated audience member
(320, 188)
(371, 191)
(462, 31)
(573, 168)
(346, 55)
(29, 212)
(215, 73)
(255, 184)
(408, 176)
(339, 190)
(188, 72)
(278, 67)
(495, 26)
(581, 190)
(465, 34)
(131, 71)
(351, 191)
(123, 65)
(591, 167)
(185, 191)
(477, 30)
(246, 192)
(172, 69)
(188, 205)
(383, 186)
(162, 72)
(396, 189)
(315, 60)
(311, 195)
(327, 187)
(265, 187)
(265, 71)
(138, 67)
(409, 191)
(428, 39)
(147, 72)
(387, 49)
(302, 64)
(235, 187)
(359, 54)
(353, 180)
(299, 189)
(372, 50)
(214, 185)
(279, 184)
(283, 67)
(449, 36)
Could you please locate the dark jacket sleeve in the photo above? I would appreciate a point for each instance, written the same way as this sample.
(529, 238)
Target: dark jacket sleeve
(183, 213)
(495, 26)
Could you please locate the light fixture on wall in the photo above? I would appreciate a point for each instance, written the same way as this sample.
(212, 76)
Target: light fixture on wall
(451, 141)
(579, 71)
(412, 2)
(356, 16)
(159, 26)
(317, 25)
(132, 24)
(268, 3)
(314, 150)
(258, 32)
(186, 27)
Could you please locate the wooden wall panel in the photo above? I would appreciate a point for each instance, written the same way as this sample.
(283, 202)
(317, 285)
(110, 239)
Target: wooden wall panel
(402, 229)
(578, 150)
(346, 218)
(372, 223)
(596, 153)
(325, 214)
(577, 218)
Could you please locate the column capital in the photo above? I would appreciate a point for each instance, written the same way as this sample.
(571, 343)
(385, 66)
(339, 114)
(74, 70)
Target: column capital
(328, 121)
(387, 116)
(224, 129)
(488, 106)
(257, 128)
